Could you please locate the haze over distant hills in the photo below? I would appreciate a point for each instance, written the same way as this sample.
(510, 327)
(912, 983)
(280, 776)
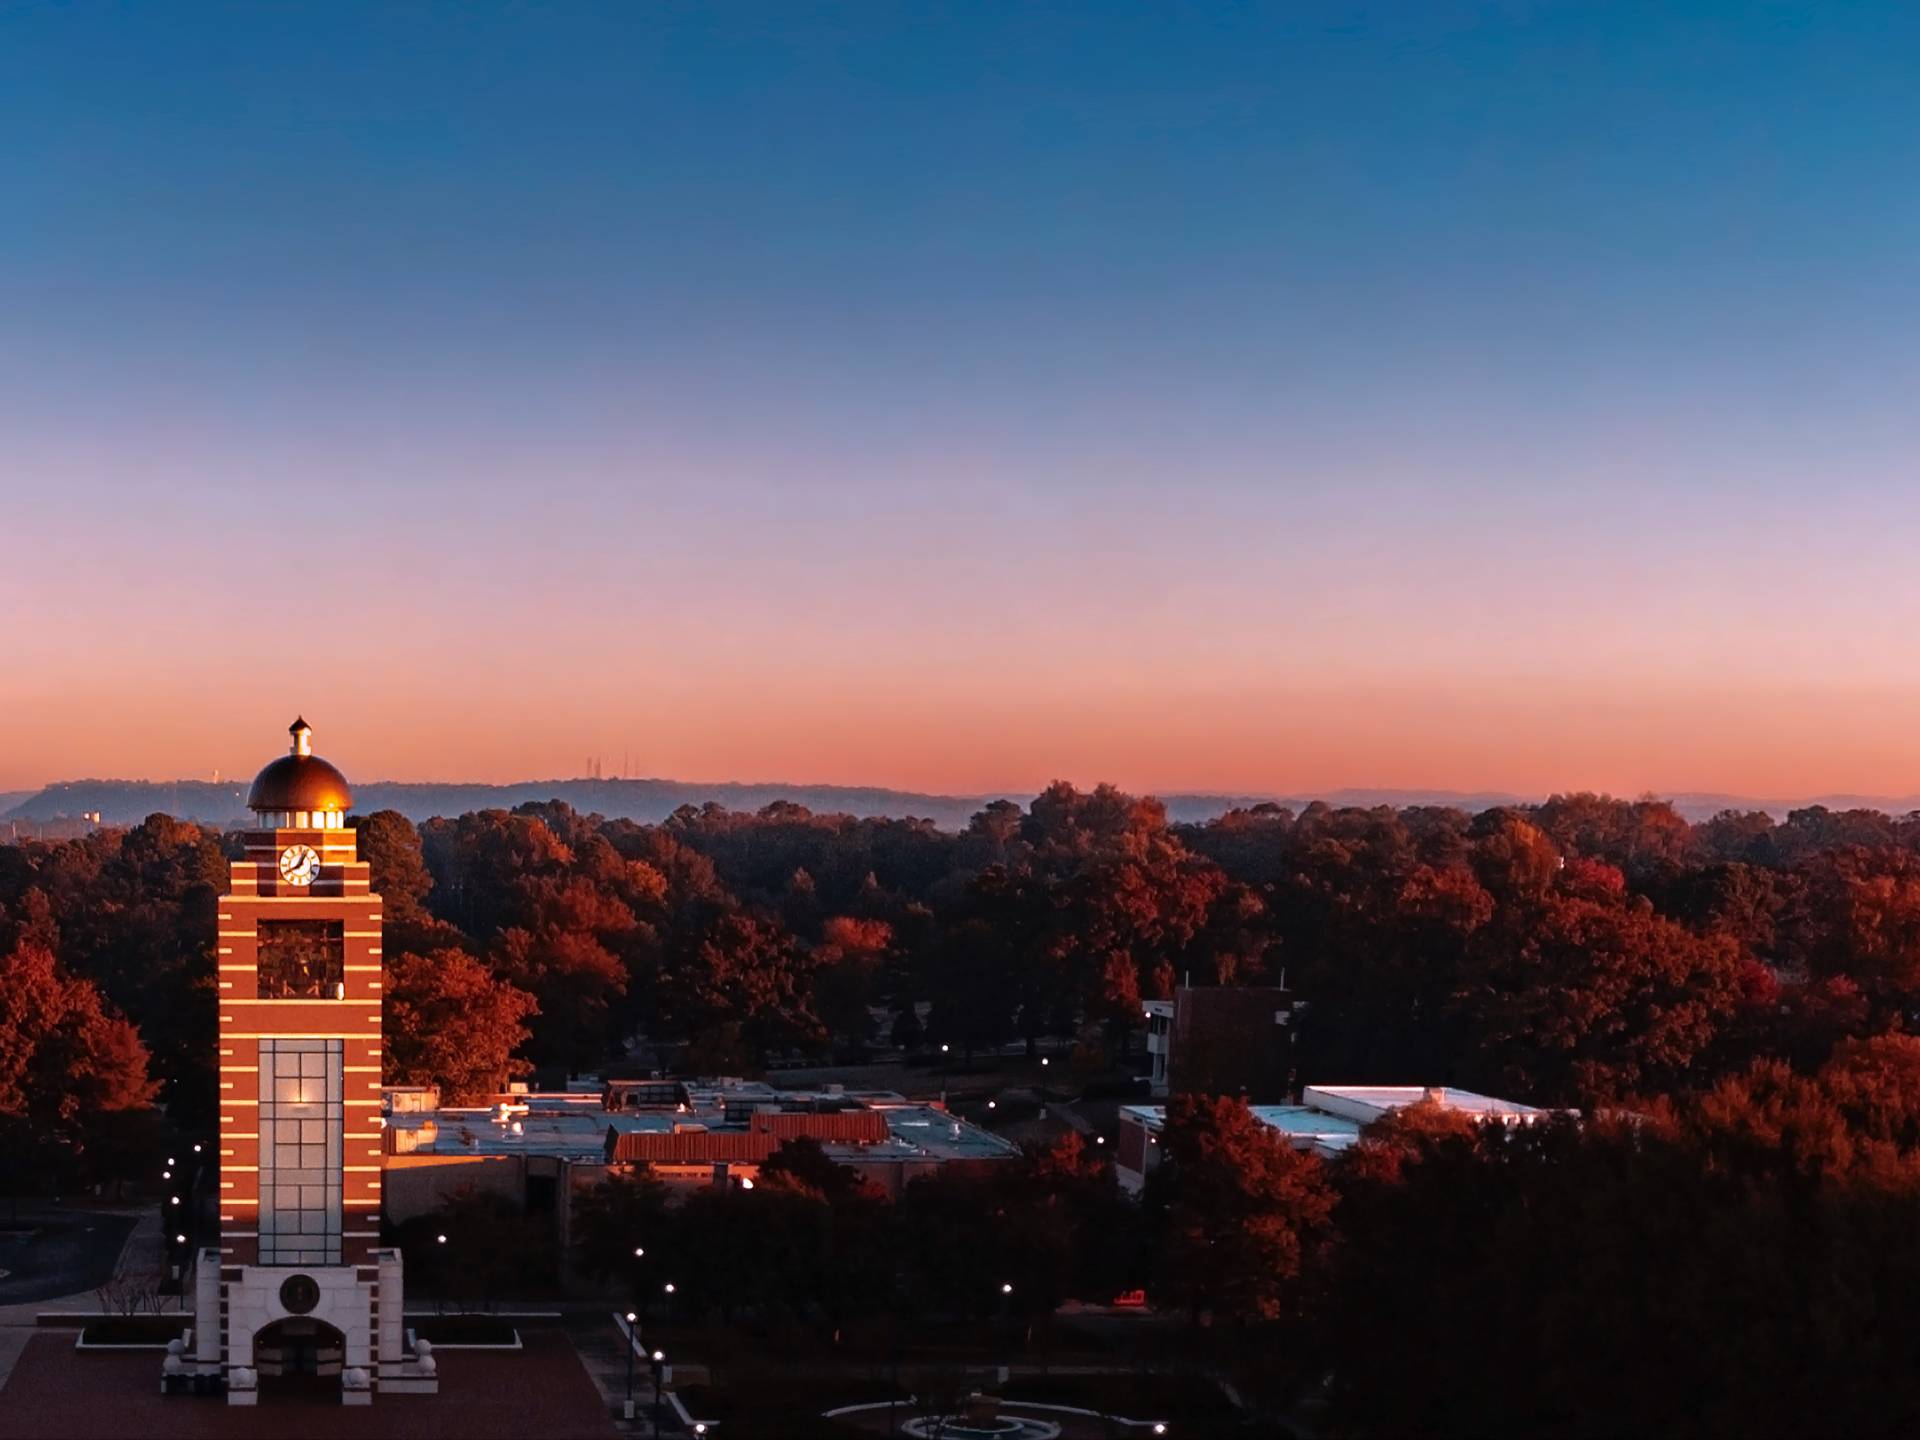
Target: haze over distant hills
(127, 802)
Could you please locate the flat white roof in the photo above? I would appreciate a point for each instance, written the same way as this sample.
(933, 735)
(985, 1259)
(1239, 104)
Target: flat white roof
(1367, 1103)
(1331, 1117)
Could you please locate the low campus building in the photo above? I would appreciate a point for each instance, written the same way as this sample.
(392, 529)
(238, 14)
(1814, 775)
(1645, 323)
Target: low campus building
(1222, 1040)
(1328, 1119)
(536, 1150)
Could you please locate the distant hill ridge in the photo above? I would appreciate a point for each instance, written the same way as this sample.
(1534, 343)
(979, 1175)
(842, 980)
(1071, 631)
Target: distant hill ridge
(127, 802)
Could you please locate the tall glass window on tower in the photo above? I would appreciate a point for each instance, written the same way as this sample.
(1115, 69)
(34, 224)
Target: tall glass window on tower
(300, 1131)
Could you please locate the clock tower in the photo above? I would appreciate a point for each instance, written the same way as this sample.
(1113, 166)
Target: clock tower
(300, 1286)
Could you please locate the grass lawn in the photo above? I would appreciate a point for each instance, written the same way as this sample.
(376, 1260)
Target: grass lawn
(464, 1330)
(136, 1330)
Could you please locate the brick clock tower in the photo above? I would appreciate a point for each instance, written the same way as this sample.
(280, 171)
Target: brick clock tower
(300, 1291)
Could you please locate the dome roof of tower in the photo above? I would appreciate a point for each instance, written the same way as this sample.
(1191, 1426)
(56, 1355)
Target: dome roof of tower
(299, 781)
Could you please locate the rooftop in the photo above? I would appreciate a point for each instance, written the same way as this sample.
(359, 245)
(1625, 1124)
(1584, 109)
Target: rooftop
(576, 1126)
(1331, 1117)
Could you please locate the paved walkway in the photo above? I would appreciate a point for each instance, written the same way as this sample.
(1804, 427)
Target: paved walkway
(601, 1344)
(57, 1392)
(143, 1254)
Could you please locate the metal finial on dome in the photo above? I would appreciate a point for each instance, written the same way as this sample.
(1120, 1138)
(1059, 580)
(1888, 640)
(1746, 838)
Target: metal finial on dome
(302, 737)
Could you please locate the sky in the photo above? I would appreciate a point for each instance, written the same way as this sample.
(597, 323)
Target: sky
(1259, 398)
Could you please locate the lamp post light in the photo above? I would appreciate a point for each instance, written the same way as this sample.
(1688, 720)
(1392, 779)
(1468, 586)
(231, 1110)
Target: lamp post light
(657, 1362)
(631, 1317)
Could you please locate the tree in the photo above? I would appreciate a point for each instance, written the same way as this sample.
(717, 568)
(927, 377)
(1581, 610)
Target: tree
(744, 976)
(1575, 998)
(625, 1212)
(65, 1059)
(1244, 1210)
(451, 1022)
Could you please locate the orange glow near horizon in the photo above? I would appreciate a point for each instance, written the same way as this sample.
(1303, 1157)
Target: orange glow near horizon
(1245, 645)
(1507, 737)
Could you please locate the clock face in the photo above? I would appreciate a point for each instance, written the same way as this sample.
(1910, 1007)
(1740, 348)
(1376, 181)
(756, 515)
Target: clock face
(299, 864)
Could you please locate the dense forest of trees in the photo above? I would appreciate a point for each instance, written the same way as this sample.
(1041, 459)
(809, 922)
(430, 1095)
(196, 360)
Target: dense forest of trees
(1726, 1003)
(1581, 951)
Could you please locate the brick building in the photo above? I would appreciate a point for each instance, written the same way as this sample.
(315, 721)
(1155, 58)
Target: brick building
(299, 1284)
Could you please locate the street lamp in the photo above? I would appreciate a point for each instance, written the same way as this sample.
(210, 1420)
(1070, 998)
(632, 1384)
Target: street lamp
(639, 1251)
(668, 1287)
(657, 1362)
(1159, 1427)
(631, 1317)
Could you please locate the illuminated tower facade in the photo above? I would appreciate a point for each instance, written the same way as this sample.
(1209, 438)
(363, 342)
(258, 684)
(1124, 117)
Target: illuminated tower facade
(303, 1288)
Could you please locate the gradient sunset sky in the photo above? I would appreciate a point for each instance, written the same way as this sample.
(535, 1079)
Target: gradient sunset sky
(957, 396)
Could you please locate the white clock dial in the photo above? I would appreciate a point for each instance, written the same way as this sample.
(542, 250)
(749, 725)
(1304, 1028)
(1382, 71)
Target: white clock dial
(299, 864)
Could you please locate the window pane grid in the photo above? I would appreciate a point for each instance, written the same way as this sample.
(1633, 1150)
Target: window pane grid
(300, 1140)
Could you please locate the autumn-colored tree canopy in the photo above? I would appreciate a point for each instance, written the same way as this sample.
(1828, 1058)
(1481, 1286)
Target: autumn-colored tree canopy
(1728, 1004)
(1581, 950)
